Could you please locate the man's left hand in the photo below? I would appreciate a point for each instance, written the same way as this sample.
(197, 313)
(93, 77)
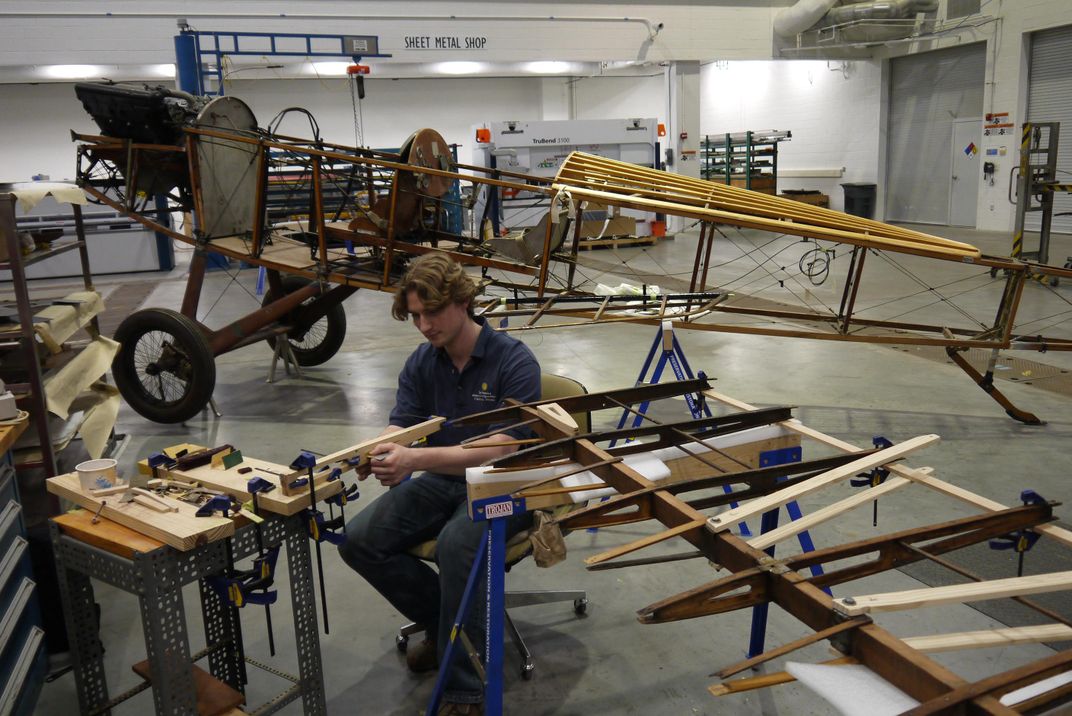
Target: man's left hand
(392, 463)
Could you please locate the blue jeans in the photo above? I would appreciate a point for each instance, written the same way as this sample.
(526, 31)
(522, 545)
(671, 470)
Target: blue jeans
(427, 507)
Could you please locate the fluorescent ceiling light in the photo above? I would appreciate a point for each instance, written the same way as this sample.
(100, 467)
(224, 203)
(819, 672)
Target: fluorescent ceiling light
(459, 67)
(164, 70)
(547, 67)
(71, 72)
(331, 68)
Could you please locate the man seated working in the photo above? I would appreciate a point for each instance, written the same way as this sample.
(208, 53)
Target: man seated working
(464, 367)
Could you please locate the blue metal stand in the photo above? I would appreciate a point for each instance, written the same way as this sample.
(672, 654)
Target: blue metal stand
(491, 560)
(668, 351)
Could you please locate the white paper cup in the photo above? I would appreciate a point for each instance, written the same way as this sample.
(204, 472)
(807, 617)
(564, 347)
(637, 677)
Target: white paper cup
(97, 474)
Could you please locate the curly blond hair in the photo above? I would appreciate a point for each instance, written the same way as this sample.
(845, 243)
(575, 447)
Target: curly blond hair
(438, 280)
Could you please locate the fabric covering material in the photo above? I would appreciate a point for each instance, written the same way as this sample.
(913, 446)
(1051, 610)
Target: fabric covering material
(853, 689)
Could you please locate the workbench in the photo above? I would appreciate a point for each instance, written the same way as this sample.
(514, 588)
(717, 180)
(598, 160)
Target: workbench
(156, 573)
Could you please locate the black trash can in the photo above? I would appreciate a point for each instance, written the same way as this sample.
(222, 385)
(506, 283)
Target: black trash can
(859, 199)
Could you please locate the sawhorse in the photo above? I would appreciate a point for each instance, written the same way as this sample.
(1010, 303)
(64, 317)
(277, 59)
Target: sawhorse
(666, 350)
(491, 560)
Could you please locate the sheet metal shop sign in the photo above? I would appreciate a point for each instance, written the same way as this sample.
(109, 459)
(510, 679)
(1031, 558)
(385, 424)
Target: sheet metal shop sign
(445, 42)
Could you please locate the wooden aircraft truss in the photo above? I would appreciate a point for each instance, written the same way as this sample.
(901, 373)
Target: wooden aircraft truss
(325, 220)
(849, 621)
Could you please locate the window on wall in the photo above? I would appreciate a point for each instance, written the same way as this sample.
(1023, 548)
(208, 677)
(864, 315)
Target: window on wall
(1049, 99)
(929, 92)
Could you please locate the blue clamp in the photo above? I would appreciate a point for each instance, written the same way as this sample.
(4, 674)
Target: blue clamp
(250, 586)
(304, 461)
(878, 475)
(321, 530)
(259, 484)
(300, 482)
(158, 459)
(344, 496)
(1022, 540)
(217, 503)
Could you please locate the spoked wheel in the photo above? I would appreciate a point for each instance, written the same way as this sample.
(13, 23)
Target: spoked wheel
(164, 368)
(315, 344)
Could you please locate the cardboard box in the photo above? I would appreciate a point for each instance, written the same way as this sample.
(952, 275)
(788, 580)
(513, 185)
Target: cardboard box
(807, 196)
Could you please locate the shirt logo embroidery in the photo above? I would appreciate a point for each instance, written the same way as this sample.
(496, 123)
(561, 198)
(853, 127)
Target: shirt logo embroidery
(484, 395)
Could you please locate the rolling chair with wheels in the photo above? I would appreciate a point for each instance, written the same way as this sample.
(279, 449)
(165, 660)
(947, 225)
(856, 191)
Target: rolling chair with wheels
(519, 547)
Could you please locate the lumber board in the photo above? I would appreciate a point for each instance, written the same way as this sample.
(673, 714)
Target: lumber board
(954, 593)
(727, 458)
(827, 513)
(760, 505)
(214, 697)
(1006, 636)
(555, 416)
(1054, 532)
(403, 436)
(107, 535)
(234, 483)
(181, 529)
(644, 542)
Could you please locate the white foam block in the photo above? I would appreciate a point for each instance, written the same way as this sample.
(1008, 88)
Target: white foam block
(645, 463)
(853, 689)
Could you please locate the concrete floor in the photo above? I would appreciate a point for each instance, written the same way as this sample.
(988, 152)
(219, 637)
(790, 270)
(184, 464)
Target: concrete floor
(606, 662)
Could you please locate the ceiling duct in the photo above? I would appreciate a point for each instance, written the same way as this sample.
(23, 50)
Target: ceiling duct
(854, 21)
(798, 18)
(875, 21)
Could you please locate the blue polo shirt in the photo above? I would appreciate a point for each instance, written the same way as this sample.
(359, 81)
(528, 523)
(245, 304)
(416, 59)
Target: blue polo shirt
(500, 367)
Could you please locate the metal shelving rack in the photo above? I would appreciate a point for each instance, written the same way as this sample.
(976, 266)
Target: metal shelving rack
(746, 159)
(23, 337)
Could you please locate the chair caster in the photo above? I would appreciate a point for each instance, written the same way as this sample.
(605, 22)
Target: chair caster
(527, 668)
(580, 606)
(401, 643)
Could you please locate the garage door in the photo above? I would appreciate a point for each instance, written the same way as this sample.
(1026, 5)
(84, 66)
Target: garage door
(1049, 99)
(928, 93)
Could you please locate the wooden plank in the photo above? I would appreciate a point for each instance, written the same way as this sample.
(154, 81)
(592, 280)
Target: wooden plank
(555, 416)
(644, 542)
(105, 534)
(214, 697)
(1052, 531)
(760, 505)
(792, 646)
(764, 681)
(181, 530)
(827, 513)
(996, 685)
(10, 433)
(954, 593)
(234, 483)
(404, 436)
(1007, 636)
(728, 459)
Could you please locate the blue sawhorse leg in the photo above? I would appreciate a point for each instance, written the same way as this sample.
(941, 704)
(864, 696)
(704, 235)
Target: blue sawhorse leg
(768, 522)
(675, 356)
(490, 558)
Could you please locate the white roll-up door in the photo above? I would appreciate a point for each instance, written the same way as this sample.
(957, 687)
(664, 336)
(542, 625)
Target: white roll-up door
(1049, 99)
(928, 92)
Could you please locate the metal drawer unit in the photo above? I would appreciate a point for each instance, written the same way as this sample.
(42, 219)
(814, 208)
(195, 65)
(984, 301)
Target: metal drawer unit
(22, 655)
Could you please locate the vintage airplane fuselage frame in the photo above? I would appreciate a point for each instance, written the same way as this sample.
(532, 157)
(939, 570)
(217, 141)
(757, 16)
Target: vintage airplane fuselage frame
(223, 171)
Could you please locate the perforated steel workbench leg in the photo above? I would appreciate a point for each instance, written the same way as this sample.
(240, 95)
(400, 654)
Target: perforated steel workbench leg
(80, 616)
(166, 641)
(223, 627)
(303, 603)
